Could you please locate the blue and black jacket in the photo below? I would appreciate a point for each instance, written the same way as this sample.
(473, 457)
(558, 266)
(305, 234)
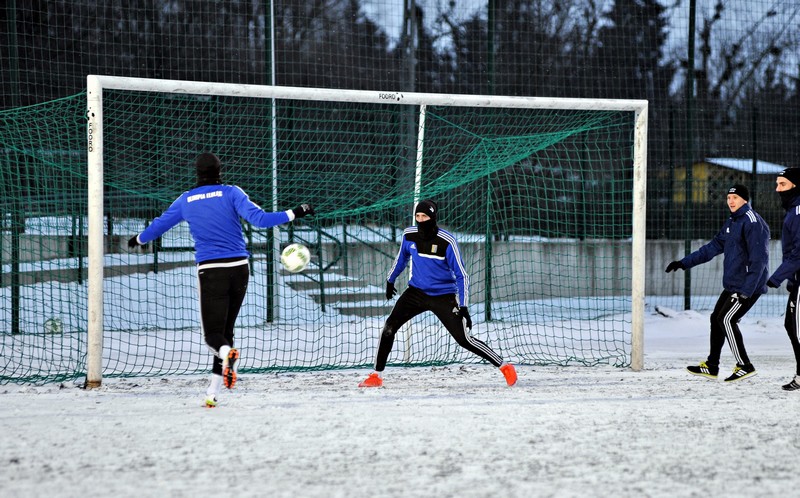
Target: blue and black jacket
(436, 264)
(790, 244)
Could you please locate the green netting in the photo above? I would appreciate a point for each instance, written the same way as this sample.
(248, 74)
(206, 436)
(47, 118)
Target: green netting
(42, 280)
(540, 201)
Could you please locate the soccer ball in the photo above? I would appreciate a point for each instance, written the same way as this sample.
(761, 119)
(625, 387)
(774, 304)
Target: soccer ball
(295, 258)
(53, 325)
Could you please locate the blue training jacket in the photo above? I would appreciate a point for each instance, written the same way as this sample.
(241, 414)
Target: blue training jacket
(790, 243)
(213, 213)
(436, 264)
(744, 239)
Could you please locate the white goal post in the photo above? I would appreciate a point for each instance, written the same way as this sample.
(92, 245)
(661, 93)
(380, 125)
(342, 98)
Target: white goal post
(97, 84)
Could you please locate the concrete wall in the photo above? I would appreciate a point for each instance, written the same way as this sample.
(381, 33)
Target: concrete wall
(520, 270)
(37, 247)
(536, 270)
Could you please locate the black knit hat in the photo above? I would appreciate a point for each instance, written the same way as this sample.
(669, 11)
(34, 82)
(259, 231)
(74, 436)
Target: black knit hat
(791, 174)
(741, 191)
(208, 168)
(428, 207)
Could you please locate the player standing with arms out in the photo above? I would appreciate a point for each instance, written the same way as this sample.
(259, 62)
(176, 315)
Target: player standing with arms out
(213, 212)
(438, 284)
(786, 186)
(744, 239)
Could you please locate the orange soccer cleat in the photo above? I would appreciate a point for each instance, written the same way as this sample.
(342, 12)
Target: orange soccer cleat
(509, 373)
(229, 368)
(374, 380)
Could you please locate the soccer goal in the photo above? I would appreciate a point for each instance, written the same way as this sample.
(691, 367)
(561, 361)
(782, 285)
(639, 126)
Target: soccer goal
(546, 197)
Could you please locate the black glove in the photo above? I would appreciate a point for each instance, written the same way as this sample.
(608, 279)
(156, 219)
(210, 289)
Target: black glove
(302, 210)
(772, 284)
(133, 241)
(464, 313)
(390, 290)
(675, 265)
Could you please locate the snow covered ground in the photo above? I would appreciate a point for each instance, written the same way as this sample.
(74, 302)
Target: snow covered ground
(438, 432)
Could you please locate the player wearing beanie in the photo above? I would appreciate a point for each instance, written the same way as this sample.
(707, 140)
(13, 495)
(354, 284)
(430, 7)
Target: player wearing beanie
(439, 284)
(213, 212)
(789, 269)
(744, 240)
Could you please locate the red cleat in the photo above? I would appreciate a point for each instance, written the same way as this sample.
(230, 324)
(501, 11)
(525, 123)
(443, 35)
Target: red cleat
(509, 373)
(374, 380)
(229, 368)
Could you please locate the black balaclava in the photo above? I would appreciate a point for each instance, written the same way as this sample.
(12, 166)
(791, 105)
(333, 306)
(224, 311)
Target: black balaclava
(788, 196)
(427, 229)
(208, 169)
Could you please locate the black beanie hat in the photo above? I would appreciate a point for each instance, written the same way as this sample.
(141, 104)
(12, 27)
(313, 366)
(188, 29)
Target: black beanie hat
(428, 207)
(208, 168)
(741, 191)
(791, 174)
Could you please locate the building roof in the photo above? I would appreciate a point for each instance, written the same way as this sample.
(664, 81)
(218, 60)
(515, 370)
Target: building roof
(746, 165)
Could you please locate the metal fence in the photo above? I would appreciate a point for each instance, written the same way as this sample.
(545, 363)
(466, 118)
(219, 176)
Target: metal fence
(721, 76)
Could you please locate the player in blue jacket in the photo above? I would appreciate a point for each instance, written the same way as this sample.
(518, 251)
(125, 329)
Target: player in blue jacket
(438, 283)
(213, 212)
(744, 240)
(789, 269)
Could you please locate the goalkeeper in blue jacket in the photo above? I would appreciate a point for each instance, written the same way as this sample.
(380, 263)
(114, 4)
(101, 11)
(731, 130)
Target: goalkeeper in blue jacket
(439, 284)
(213, 212)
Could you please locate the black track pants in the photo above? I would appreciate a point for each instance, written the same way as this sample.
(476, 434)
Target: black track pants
(792, 327)
(725, 325)
(413, 302)
(222, 289)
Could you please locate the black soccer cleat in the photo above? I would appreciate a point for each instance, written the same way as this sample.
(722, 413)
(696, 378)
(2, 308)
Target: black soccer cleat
(741, 372)
(704, 370)
(793, 385)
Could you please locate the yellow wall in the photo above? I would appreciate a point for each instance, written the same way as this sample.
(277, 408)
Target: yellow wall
(700, 174)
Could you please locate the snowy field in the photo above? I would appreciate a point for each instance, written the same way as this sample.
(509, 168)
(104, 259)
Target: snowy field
(454, 431)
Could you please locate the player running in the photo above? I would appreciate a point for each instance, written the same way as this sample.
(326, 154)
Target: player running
(744, 240)
(438, 284)
(213, 211)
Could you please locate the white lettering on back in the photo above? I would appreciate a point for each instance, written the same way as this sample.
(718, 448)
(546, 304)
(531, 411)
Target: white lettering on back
(208, 195)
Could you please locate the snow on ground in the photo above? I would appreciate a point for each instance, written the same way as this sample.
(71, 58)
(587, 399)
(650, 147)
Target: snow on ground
(433, 431)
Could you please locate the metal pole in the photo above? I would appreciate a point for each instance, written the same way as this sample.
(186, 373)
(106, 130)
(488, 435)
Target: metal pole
(273, 239)
(754, 174)
(687, 222)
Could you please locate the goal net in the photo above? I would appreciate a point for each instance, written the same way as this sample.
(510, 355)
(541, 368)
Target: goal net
(545, 196)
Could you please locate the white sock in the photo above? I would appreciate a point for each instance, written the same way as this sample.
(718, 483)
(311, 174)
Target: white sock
(215, 385)
(223, 353)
